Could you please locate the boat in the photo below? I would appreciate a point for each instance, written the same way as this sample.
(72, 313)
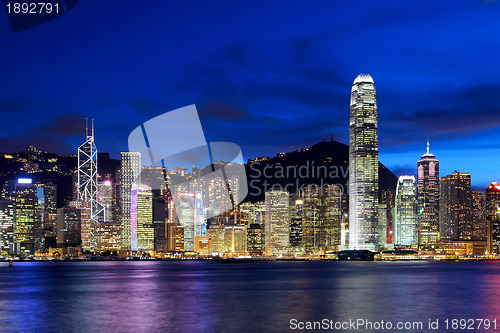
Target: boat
(360, 255)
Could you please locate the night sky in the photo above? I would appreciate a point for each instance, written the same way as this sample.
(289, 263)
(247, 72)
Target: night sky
(266, 75)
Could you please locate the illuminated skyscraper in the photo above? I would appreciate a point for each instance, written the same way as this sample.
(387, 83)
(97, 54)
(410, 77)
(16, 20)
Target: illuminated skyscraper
(255, 239)
(130, 172)
(455, 207)
(6, 225)
(87, 189)
(141, 218)
(296, 215)
(363, 165)
(405, 212)
(428, 198)
(479, 215)
(26, 218)
(493, 217)
(277, 230)
(186, 213)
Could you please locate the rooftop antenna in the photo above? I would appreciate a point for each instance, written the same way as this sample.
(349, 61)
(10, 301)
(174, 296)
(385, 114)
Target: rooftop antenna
(86, 127)
(92, 127)
(428, 145)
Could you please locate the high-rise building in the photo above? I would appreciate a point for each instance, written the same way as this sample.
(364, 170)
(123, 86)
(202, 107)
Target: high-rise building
(480, 227)
(277, 229)
(387, 197)
(321, 218)
(296, 214)
(130, 172)
(50, 211)
(216, 235)
(186, 213)
(382, 224)
(26, 218)
(235, 239)
(405, 212)
(363, 165)
(455, 207)
(428, 198)
(493, 217)
(87, 188)
(141, 218)
(109, 229)
(6, 225)
(85, 208)
(255, 239)
(68, 227)
(160, 223)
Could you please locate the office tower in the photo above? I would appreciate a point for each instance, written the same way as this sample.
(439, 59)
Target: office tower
(277, 236)
(455, 207)
(141, 218)
(321, 218)
(255, 239)
(40, 218)
(160, 223)
(311, 218)
(493, 217)
(199, 220)
(26, 218)
(332, 218)
(480, 227)
(108, 229)
(50, 211)
(6, 225)
(428, 198)
(85, 208)
(251, 211)
(387, 197)
(296, 214)
(68, 227)
(382, 224)
(87, 188)
(235, 239)
(130, 172)
(175, 237)
(363, 165)
(186, 214)
(405, 212)
(105, 197)
(216, 235)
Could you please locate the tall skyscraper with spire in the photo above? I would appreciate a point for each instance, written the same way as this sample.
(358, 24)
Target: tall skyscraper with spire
(363, 165)
(87, 188)
(428, 197)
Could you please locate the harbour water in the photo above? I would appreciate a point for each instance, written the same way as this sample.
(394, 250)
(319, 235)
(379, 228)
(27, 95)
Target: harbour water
(201, 296)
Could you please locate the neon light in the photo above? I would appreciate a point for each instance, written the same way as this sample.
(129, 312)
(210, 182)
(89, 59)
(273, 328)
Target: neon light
(24, 181)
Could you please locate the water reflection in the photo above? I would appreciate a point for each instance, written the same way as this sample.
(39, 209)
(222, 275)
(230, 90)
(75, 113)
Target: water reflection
(132, 296)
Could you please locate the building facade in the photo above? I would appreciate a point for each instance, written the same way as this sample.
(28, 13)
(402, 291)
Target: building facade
(455, 207)
(363, 165)
(405, 212)
(428, 198)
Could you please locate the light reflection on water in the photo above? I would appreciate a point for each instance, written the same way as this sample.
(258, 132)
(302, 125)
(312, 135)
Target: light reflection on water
(152, 296)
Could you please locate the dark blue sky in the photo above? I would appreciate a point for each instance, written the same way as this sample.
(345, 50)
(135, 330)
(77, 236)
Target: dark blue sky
(266, 75)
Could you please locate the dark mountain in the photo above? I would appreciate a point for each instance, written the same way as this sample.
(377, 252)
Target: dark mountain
(325, 163)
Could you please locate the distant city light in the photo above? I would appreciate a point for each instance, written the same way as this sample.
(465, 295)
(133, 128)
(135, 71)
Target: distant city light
(24, 181)
(107, 182)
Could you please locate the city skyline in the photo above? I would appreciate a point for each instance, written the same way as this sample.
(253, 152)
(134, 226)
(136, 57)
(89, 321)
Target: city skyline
(424, 89)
